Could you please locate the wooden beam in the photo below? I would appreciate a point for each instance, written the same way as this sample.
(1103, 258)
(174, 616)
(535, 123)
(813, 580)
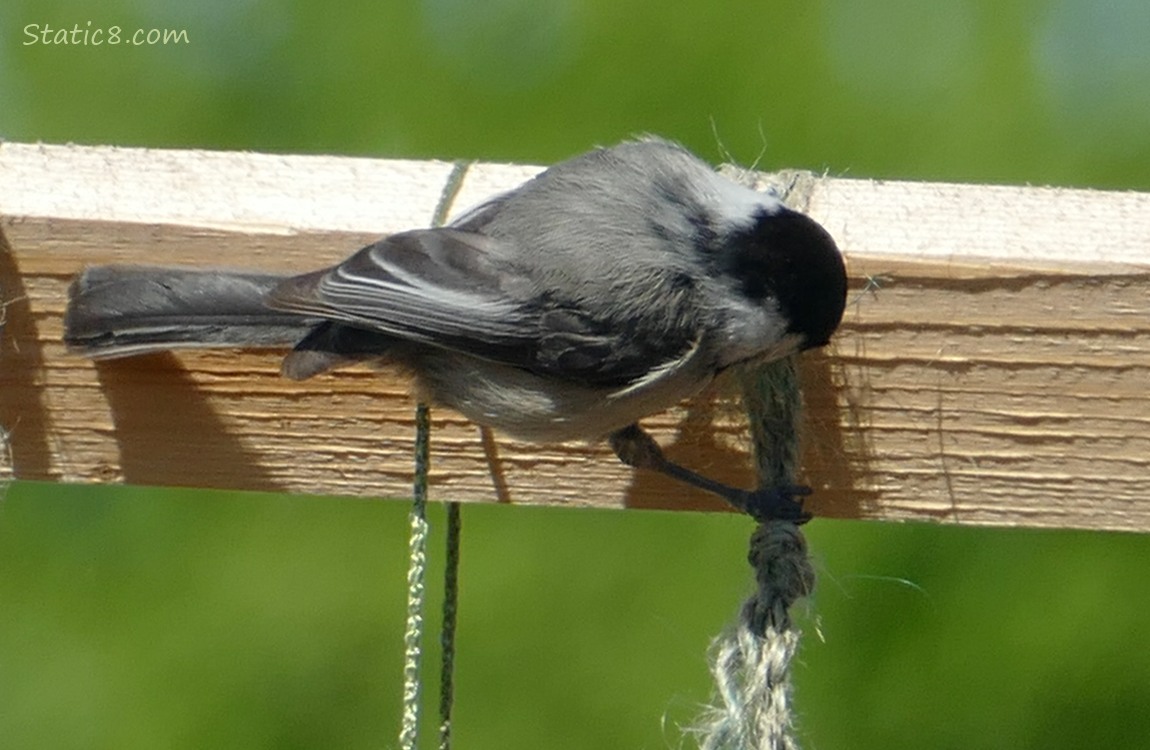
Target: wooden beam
(993, 367)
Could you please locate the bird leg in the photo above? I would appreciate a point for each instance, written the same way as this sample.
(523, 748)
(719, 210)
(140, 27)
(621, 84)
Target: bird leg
(636, 448)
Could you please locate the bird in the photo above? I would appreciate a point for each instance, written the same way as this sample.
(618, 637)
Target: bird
(607, 288)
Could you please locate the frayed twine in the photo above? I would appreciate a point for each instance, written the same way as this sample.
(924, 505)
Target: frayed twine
(751, 663)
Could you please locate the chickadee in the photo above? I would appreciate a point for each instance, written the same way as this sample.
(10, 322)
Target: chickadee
(607, 288)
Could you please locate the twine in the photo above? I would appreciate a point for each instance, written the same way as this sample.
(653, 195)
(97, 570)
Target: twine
(417, 559)
(447, 632)
(416, 585)
(751, 663)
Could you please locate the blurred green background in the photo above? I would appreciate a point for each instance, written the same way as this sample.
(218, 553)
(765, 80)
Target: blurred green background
(140, 618)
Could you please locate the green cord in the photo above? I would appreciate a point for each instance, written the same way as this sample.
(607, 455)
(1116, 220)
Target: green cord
(417, 557)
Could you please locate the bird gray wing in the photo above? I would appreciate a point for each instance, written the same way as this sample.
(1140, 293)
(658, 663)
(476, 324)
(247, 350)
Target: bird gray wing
(457, 290)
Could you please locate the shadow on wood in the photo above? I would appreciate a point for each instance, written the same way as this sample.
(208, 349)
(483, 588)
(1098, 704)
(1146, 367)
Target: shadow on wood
(23, 416)
(168, 432)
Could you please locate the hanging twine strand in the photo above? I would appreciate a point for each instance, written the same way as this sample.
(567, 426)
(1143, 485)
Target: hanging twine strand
(417, 559)
(778, 551)
(751, 663)
(416, 585)
(447, 634)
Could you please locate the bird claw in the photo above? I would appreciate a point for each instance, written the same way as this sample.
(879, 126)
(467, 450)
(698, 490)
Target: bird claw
(778, 504)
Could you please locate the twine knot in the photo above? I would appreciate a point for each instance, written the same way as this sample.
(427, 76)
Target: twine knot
(783, 572)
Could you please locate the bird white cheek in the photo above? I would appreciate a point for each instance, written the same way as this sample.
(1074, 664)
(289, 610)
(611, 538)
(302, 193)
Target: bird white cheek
(760, 334)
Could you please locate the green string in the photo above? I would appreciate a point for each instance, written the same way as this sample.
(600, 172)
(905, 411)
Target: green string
(417, 558)
(447, 634)
(416, 585)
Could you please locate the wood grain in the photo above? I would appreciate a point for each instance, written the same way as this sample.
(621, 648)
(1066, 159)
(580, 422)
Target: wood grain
(993, 367)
